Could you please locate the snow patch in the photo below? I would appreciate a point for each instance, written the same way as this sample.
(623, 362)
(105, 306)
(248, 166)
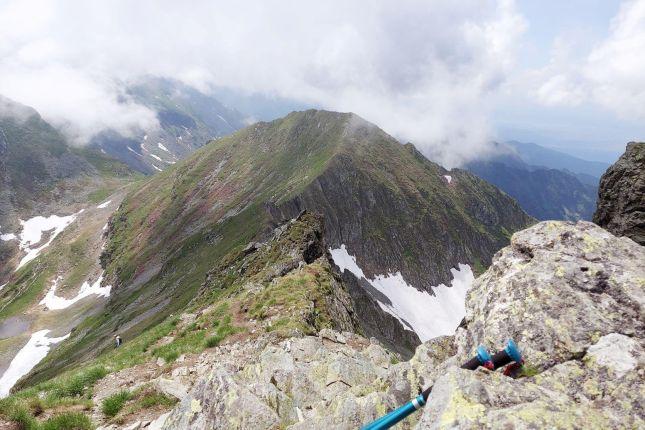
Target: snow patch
(163, 148)
(429, 316)
(7, 236)
(104, 204)
(2, 286)
(156, 158)
(27, 358)
(54, 302)
(448, 178)
(157, 168)
(132, 150)
(33, 229)
(145, 137)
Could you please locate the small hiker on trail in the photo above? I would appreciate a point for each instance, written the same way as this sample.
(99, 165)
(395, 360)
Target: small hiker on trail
(117, 340)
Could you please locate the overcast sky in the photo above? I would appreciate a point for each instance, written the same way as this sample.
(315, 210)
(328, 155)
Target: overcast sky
(447, 75)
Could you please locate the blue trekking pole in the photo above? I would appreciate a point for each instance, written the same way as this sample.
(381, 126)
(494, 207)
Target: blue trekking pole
(510, 354)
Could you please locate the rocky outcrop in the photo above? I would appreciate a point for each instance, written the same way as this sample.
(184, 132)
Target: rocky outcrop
(571, 295)
(621, 197)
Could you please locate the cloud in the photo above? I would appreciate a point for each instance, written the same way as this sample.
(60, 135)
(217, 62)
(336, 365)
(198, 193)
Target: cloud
(423, 70)
(610, 75)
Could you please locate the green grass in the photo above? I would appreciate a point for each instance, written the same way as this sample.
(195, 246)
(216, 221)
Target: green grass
(77, 384)
(147, 398)
(528, 371)
(23, 413)
(100, 195)
(152, 399)
(112, 405)
(224, 329)
(68, 421)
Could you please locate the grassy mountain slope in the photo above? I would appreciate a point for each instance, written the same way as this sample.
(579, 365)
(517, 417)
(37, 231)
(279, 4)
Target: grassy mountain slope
(393, 209)
(40, 174)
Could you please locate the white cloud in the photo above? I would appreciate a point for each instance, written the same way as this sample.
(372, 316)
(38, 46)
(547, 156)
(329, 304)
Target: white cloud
(421, 69)
(610, 76)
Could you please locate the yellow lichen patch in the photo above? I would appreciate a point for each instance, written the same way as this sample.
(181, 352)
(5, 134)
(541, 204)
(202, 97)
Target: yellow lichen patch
(559, 271)
(591, 388)
(591, 243)
(460, 409)
(195, 406)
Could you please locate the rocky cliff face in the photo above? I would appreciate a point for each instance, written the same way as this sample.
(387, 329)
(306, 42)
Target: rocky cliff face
(621, 197)
(571, 295)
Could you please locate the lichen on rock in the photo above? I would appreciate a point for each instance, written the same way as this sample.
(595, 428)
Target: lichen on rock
(571, 295)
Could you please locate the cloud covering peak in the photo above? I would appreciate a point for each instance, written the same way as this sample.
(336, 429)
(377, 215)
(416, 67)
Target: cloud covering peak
(422, 70)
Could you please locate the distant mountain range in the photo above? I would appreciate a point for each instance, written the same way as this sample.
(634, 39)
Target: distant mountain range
(188, 119)
(536, 155)
(548, 184)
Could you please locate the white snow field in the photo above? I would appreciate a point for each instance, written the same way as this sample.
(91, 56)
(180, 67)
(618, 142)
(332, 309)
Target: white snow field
(448, 178)
(162, 147)
(27, 358)
(104, 204)
(7, 236)
(32, 232)
(429, 316)
(54, 302)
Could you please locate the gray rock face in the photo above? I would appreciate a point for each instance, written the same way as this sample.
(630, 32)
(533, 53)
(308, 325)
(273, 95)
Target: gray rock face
(571, 295)
(333, 380)
(621, 197)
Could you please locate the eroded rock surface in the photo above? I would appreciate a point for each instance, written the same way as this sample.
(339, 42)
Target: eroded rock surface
(621, 197)
(572, 297)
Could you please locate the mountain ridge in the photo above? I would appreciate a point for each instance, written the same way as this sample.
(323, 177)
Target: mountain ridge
(175, 226)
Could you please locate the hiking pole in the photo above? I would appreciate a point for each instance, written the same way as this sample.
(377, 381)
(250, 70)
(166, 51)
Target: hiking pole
(509, 354)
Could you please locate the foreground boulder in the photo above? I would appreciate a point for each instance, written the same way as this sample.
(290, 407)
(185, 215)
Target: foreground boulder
(621, 196)
(571, 295)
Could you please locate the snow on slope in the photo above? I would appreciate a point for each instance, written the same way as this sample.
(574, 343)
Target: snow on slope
(32, 233)
(54, 302)
(429, 316)
(104, 204)
(162, 147)
(27, 358)
(7, 236)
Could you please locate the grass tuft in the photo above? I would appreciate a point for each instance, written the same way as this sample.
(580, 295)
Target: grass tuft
(68, 421)
(111, 405)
